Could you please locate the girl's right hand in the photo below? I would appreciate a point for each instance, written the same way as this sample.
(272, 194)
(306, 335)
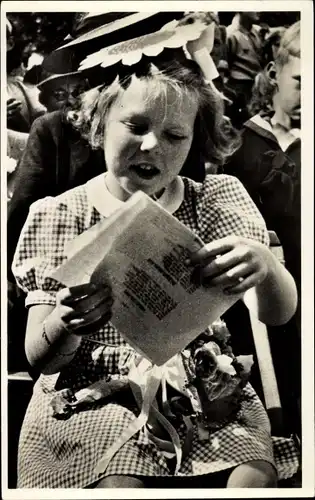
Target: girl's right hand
(83, 309)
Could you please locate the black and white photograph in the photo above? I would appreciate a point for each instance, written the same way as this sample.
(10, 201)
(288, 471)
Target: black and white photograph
(157, 249)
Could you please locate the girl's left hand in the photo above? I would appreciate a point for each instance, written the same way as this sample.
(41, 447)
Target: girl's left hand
(234, 263)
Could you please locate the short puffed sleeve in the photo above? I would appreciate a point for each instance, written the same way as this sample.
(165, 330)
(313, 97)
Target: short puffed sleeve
(225, 208)
(41, 248)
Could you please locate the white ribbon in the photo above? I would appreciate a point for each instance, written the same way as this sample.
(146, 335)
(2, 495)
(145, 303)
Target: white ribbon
(200, 50)
(144, 381)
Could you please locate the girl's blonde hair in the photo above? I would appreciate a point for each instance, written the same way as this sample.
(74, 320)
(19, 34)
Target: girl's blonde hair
(214, 140)
(290, 44)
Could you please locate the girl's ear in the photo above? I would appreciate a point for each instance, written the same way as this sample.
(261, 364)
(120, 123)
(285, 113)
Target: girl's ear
(271, 72)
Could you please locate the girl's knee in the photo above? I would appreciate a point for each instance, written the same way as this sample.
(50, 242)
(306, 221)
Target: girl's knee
(254, 474)
(119, 482)
(266, 472)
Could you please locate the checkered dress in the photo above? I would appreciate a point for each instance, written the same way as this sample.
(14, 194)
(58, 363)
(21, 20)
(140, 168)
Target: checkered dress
(63, 453)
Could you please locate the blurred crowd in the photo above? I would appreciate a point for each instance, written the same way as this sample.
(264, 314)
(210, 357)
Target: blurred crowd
(258, 76)
(241, 53)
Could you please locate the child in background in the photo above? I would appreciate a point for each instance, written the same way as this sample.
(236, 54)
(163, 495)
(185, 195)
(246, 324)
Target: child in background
(269, 165)
(269, 161)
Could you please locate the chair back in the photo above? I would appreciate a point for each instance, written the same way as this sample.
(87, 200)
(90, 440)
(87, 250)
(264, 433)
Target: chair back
(264, 356)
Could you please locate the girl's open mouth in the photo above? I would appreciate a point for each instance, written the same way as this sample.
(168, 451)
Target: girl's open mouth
(145, 170)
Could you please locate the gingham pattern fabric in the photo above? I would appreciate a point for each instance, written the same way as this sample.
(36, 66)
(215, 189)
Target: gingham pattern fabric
(287, 456)
(63, 453)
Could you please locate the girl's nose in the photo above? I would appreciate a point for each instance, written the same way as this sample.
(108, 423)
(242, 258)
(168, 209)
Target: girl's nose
(149, 141)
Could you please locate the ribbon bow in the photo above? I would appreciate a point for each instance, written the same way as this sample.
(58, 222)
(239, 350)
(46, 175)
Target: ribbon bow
(144, 380)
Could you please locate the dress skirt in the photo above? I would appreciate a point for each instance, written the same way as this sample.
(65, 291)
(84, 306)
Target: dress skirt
(63, 453)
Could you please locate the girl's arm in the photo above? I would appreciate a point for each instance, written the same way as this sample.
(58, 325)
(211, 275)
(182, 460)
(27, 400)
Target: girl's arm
(239, 264)
(275, 299)
(53, 334)
(47, 358)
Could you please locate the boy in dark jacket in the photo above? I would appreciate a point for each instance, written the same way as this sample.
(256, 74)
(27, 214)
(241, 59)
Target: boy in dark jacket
(269, 165)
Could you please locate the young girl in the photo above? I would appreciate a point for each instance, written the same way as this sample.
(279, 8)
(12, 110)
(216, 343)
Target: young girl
(147, 125)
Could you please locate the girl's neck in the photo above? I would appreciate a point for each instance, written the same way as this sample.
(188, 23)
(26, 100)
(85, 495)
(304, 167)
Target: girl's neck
(114, 188)
(158, 195)
(118, 192)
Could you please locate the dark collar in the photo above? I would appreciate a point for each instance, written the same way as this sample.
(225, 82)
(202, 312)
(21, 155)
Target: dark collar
(261, 131)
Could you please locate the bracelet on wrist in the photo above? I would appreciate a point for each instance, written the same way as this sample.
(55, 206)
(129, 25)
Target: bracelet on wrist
(48, 342)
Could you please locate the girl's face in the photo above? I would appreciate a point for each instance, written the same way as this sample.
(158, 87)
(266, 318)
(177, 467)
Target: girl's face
(147, 138)
(289, 87)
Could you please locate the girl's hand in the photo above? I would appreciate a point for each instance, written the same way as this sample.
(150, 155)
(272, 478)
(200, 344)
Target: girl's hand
(83, 309)
(234, 263)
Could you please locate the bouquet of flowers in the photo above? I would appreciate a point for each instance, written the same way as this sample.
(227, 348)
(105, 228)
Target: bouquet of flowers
(215, 376)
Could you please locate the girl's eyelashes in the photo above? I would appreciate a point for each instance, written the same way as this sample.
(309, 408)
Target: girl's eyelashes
(175, 137)
(137, 128)
(143, 128)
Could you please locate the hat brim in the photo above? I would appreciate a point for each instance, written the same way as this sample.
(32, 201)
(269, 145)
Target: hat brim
(130, 52)
(69, 56)
(93, 20)
(108, 28)
(58, 78)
